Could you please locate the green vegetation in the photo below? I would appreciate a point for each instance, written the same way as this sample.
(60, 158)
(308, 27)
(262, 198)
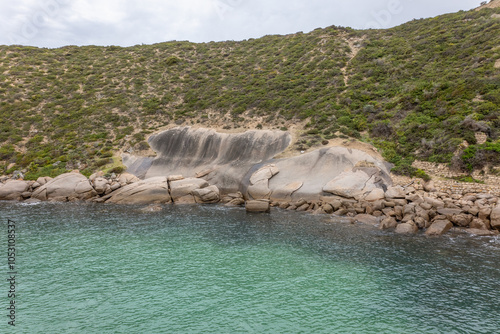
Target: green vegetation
(416, 91)
(468, 179)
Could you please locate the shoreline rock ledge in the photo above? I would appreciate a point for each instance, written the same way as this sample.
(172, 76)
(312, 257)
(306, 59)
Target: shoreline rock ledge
(335, 181)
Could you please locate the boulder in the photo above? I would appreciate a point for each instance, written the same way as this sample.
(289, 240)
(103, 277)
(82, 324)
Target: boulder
(236, 202)
(258, 206)
(421, 222)
(395, 192)
(409, 190)
(495, 217)
(171, 178)
(114, 186)
(182, 190)
(351, 184)
(328, 208)
(439, 227)
(426, 206)
(375, 195)
(303, 207)
(264, 174)
(300, 202)
(259, 182)
(259, 190)
(435, 203)
(96, 175)
(100, 185)
(479, 224)
(414, 198)
(13, 190)
(407, 228)
(388, 222)
(127, 178)
(203, 173)
(107, 190)
(149, 191)
(207, 195)
(43, 179)
(484, 212)
(74, 186)
(461, 219)
(286, 192)
(429, 186)
(449, 212)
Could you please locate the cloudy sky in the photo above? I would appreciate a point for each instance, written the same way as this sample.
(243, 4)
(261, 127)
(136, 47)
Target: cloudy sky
(55, 23)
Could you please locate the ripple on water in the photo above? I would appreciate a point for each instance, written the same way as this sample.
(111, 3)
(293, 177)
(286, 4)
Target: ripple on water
(107, 269)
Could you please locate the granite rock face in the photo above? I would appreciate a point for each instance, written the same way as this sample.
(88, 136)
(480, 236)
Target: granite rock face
(221, 158)
(312, 175)
(244, 162)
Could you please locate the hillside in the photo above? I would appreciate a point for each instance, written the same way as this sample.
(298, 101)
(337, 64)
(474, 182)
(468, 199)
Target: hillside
(490, 4)
(418, 90)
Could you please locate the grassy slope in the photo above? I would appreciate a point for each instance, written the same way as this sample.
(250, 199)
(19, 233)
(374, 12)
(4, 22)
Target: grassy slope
(416, 91)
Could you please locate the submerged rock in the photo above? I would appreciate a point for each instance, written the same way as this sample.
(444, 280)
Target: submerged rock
(152, 208)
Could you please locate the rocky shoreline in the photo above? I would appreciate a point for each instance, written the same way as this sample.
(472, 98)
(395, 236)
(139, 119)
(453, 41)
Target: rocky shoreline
(405, 210)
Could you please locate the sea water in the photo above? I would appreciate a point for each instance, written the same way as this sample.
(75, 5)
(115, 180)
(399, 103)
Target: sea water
(83, 268)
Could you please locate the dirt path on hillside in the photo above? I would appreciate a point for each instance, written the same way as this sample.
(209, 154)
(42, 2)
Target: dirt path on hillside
(355, 46)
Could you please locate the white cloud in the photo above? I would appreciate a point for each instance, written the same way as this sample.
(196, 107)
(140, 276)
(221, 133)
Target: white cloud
(53, 23)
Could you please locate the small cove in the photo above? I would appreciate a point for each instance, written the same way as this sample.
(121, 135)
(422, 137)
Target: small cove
(210, 269)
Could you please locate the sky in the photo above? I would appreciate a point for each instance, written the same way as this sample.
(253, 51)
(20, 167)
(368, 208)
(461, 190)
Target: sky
(56, 23)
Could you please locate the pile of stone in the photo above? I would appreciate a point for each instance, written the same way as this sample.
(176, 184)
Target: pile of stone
(407, 210)
(357, 194)
(124, 189)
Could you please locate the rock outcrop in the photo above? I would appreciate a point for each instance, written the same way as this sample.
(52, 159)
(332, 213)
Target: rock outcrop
(312, 175)
(182, 190)
(150, 191)
(244, 162)
(65, 187)
(13, 190)
(221, 158)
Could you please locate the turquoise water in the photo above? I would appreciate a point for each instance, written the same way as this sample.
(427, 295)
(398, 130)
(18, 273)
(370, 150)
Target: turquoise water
(210, 269)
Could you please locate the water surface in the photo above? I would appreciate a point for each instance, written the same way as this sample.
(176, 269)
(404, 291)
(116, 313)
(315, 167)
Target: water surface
(210, 269)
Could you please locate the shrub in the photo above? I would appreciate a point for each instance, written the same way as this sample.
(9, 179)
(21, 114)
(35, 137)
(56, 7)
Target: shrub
(117, 170)
(102, 162)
